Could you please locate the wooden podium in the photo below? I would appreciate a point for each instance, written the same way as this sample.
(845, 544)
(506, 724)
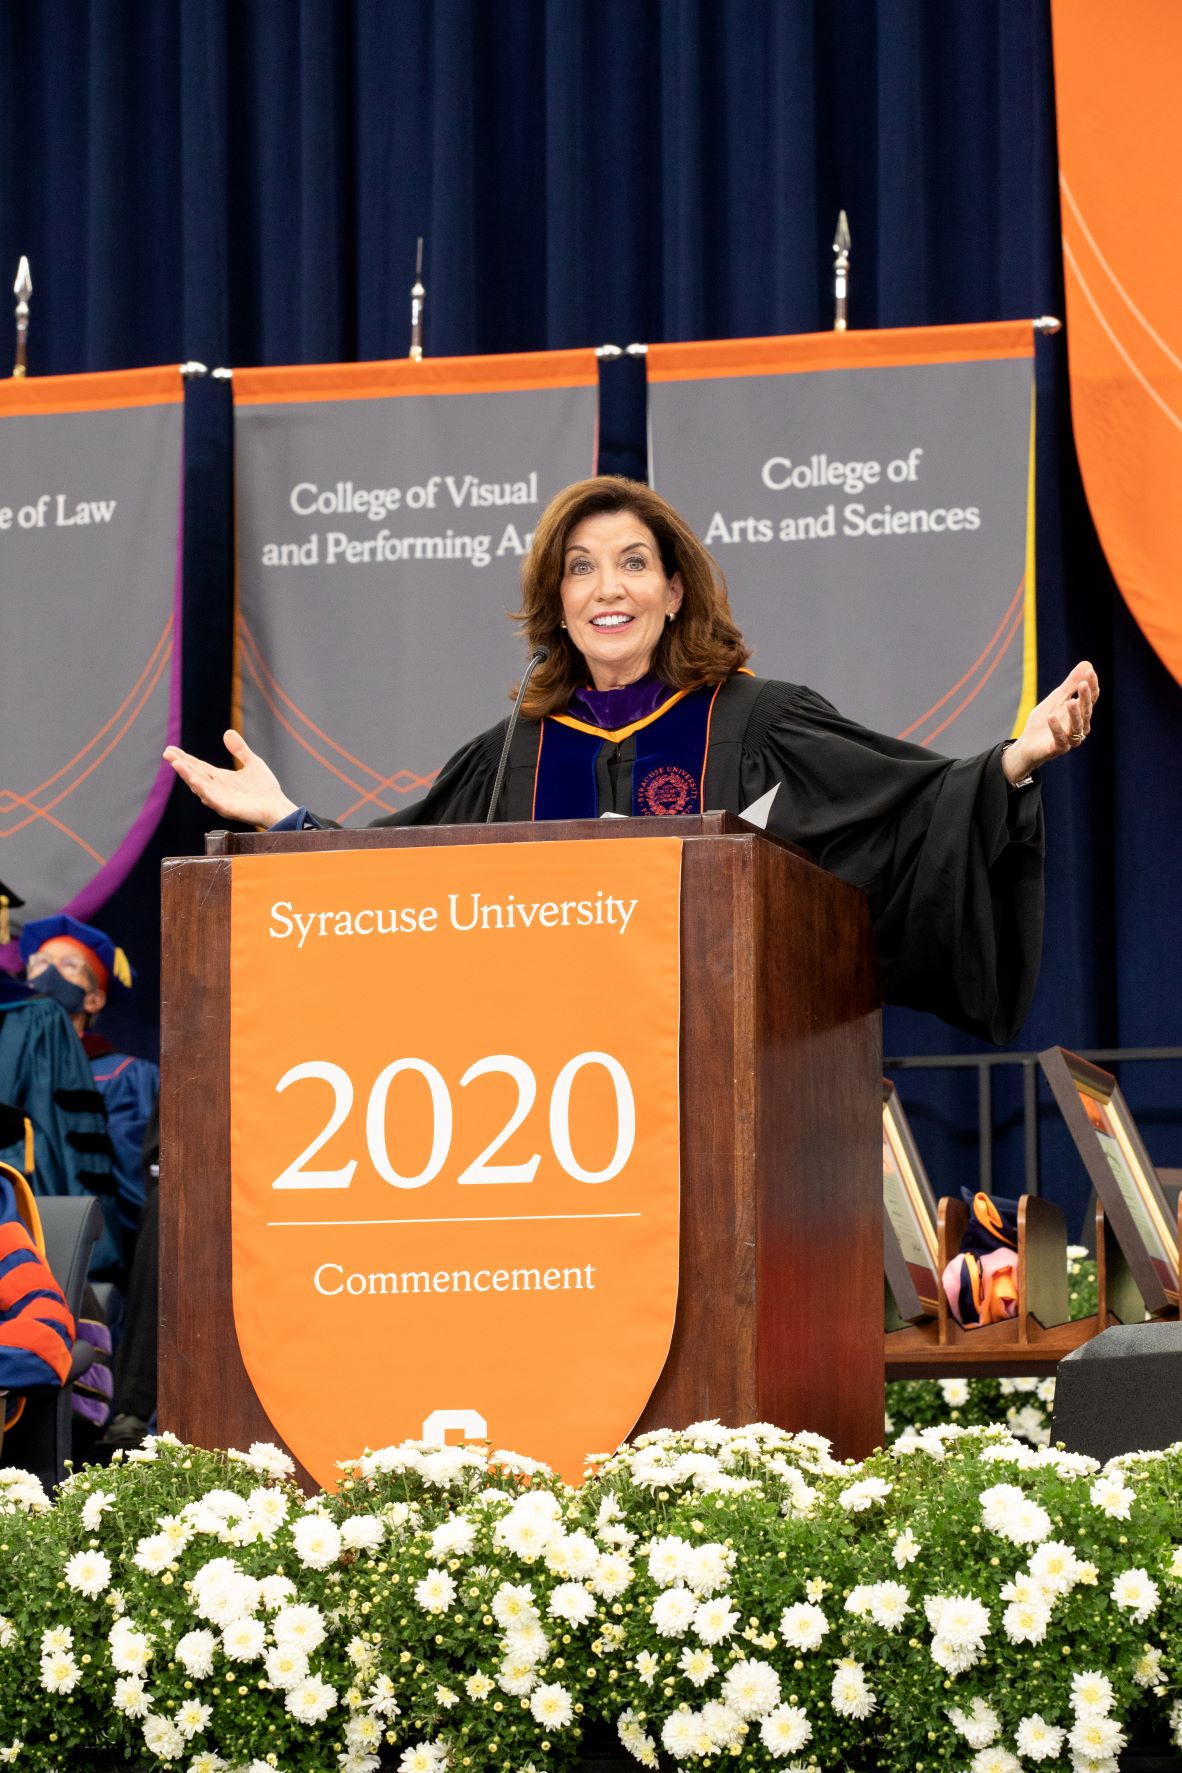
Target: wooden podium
(780, 1304)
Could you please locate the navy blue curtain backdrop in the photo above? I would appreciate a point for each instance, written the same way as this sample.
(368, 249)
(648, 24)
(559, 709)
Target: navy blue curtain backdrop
(242, 182)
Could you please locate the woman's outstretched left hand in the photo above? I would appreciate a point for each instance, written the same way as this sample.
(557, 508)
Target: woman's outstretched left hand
(1060, 723)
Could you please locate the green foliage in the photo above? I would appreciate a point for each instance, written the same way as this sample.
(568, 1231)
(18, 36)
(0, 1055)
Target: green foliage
(719, 1597)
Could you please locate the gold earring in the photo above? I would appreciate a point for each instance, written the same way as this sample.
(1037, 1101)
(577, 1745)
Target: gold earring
(562, 624)
(669, 615)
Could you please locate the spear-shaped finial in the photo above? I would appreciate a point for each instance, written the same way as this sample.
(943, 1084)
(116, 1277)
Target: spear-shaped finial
(22, 289)
(841, 272)
(418, 296)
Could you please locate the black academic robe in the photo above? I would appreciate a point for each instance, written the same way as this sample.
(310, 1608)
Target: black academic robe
(949, 856)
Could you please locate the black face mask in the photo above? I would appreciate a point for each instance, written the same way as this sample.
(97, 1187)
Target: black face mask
(52, 984)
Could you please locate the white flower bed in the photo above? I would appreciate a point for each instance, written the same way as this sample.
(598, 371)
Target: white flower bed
(719, 1597)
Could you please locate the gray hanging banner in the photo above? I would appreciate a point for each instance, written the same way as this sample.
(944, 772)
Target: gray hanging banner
(869, 497)
(383, 513)
(90, 582)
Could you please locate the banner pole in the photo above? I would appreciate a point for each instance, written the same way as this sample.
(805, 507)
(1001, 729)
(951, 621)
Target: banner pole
(22, 289)
(418, 296)
(841, 272)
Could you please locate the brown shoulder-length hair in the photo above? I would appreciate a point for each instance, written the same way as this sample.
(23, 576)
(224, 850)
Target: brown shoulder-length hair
(702, 645)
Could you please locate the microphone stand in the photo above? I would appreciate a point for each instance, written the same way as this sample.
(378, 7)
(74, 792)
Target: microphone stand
(538, 657)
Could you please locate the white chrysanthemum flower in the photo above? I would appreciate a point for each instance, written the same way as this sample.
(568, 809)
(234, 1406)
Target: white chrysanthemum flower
(516, 1677)
(1037, 1740)
(646, 1665)
(269, 1509)
(995, 1760)
(478, 1687)
(424, 1757)
(1095, 1737)
(154, 1553)
(786, 1730)
(1149, 1671)
(720, 1726)
(888, 1604)
(316, 1540)
(56, 1637)
(1112, 1495)
(1007, 1511)
(7, 1632)
(311, 1700)
(850, 1694)
(364, 1733)
(435, 1592)
(265, 1456)
(514, 1604)
(636, 1739)
(130, 1696)
(195, 1653)
(1091, 1693)
(381, 1698)
(673, 1612)
(572, 1602)
(681, 1735)
(751, 1688)
(527, 1530)
(207, 1762)
(574, 1555)
(980, 1725)
(864, 1494)
(363, 1532)
(94, 1508)
(59, 1672)
(131, 1650)
(88, 1572)
(552, 1705)
(1026, 1621)
(243, 1640)
(708, 1568)
(696, 1665)
(803, 1625)
(286, 1666)
(453, 1538)
(857, 1601)
(220, 1592)
(1054, 1566)
(1135, 1594)
(905, 1549)
(526, 1643)
(191, 1717)
(715, 1619)
(613, 1573)
(669, 1560)
(163, 1739)
(301, 1626)
(960, 1619)
(955, 1392)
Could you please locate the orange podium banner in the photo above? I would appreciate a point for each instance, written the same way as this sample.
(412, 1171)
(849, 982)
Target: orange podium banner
(1120, 158)
(455, 1142)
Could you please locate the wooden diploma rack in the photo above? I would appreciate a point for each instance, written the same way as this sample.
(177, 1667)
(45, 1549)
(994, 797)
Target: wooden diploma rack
(781, 1239)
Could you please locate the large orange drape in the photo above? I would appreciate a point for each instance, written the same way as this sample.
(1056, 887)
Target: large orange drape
(1120, 158)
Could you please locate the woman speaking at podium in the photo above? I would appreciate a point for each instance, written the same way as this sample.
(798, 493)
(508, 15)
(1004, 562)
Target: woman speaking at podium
(639, 702)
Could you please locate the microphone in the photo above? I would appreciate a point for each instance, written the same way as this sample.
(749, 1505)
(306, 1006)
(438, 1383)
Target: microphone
(538, 657)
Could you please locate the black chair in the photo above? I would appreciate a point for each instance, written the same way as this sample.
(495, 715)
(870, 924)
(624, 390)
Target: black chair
(40, 1441)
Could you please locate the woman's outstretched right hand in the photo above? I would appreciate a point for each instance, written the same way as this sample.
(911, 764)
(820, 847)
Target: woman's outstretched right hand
(251, 793)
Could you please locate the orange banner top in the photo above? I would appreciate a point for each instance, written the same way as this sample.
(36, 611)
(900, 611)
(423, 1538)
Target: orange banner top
(455, 1186)
(401, 376)
(91, 393)
(799, 352)
(1120, 159)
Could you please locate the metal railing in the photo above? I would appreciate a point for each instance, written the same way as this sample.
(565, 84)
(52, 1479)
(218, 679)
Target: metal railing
(985, 1064)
